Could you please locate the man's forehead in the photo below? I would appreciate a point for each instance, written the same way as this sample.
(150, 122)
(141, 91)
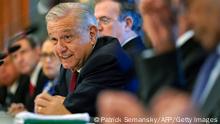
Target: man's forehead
(22, 42)
(107, 8)
(61, 30)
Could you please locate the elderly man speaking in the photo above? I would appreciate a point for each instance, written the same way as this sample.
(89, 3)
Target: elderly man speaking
(101, 62)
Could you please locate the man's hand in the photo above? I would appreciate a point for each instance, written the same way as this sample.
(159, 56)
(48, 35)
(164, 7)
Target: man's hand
(15, 108)
(157, 24)
(50, 105)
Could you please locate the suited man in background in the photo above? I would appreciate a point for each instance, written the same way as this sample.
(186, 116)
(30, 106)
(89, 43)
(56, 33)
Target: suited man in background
(50, 66)
(174, 63)
(205, 16)
(120, 19)
(26, 60)
(189, 48)
(101, 62)
(11, 84)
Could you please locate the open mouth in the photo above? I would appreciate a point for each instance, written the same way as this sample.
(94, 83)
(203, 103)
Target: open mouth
(66, 56)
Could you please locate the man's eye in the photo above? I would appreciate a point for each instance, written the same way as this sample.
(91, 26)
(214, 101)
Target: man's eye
(68, 38)
(53, 40)
(104, 20)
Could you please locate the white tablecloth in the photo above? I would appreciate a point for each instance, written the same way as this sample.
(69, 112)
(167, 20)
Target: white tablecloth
(5, 118)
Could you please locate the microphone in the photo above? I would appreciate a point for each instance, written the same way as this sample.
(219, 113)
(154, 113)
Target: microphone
(27, 31)
(10, 50)
(13, 49)
(2, 55)
(1, 62)
(31, 29)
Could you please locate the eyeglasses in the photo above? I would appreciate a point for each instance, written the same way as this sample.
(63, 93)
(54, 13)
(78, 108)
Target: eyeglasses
(104, 20)
(47, 55)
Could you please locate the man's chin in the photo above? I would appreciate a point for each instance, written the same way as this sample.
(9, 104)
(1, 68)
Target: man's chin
(66, 66)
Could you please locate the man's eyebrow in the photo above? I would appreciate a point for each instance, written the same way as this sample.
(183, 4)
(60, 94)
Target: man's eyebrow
(103, 17)
(67, 30)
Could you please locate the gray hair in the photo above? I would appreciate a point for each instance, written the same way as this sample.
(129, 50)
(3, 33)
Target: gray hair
(79, 11)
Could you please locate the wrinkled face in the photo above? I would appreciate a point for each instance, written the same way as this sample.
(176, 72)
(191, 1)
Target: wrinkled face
(26, 58)
(71, 45)
(106, 13)
(9, 73)
(205, 18)
(51, 63)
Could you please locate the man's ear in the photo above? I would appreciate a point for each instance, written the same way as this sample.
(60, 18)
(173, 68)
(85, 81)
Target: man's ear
(93, 34)
(128, 23)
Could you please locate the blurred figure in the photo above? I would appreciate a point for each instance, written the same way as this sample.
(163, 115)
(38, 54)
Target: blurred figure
(169, 103)
(101, 62)
(28, 56)
(205, 17)
(158, 24)
(112, 104)
(26, 60)
(177, 67)
(163, 70)
(161, 66)
(51, 66)
(188, 47)
(8, 83)
(11, 83)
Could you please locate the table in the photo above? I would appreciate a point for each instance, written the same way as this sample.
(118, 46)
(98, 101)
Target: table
(5, 118)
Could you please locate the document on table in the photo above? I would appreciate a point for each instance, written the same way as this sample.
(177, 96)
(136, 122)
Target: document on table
(23, 116)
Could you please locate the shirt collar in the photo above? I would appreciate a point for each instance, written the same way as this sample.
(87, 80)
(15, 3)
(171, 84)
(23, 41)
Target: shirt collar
(126, 41)
(184, 38)
(12, 89)
(34, 75)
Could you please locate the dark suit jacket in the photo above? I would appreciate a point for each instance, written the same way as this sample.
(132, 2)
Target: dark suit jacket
(178, 68)
(211, 106)
(193, 57)
(134, 46)
(29, 100)
(6, 99)
(108, 67)
(64, 80)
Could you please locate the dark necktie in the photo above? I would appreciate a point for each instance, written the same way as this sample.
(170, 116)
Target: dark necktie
(203, 76)
(73, 82)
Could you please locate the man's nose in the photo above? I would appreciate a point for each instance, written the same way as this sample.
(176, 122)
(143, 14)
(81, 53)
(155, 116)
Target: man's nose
(100, 27)
(61, 46)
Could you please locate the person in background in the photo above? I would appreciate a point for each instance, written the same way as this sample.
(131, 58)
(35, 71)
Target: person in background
(166, 101)
(26, 60)
(191, 52)
(120, 19)
(205, 18)
(101, 62)
(50, 66)
(11, 86)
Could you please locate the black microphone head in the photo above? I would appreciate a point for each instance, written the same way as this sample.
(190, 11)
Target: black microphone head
(31, 29)
(13, 48)
(2, 55)
(1, 62)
